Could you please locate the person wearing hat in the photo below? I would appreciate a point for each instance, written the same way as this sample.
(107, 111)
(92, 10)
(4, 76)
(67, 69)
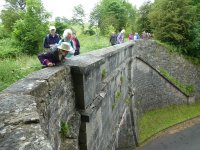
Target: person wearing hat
(51, 39)
(55, 56)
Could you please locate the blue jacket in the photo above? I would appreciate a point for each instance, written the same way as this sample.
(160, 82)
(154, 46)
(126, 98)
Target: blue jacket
(51, 40)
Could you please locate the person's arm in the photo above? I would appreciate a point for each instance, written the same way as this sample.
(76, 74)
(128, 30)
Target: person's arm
(46, 44)
(44, 59)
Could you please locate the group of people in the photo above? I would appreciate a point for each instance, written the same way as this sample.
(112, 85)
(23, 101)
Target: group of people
(119, 38)
(145, 36)
(57, 48)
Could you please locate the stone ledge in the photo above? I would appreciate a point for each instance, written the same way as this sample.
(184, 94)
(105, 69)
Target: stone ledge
(18, 113)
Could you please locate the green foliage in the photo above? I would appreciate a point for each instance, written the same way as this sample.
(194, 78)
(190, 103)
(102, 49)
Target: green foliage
(12, 11)
(89, 43)
(103, 74)
(143, 22)
(121, 79)
(177, 23)
(117, 96)
(31, 29)
(79, 15)
(157, 120)
(64, 129)
(17, 4)
(61, 24)
(169, 47)
(9, 17)
(188, 89)
(113, 106)
(18, 65)
(8, 48)
(12, 69)
(128, 101)
(3, 33)
(116, 14)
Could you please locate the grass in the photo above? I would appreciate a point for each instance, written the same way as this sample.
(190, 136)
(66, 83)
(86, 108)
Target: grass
(188, 89)
(155, 121)
(169, 47)
(89, 43)
(14, 65)
(8, 48)
(12, 69)
(64, 129)
(172, 49)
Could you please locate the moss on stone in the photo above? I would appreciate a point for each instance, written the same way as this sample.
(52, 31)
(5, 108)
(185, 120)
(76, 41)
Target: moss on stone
(64, 129)
(104, 74)
(188, 89)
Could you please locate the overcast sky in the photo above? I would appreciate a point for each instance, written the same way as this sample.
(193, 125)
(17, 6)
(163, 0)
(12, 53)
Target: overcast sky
(64, 7)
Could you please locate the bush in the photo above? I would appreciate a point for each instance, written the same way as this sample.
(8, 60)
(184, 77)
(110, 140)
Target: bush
(8, 48)
(3, 33)
(30, 31)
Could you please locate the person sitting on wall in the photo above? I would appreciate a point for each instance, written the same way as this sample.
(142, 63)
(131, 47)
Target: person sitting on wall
(67, 37)
(56, 56)
(51, 39)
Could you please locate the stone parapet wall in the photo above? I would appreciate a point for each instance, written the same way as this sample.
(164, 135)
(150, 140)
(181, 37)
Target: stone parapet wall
(51, 91)
(93, 101)
(178, 67)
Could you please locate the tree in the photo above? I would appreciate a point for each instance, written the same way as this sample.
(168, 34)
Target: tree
(174, 21)
(13, 11)
(30, 30)
(178, 24)
(109, 14)
(61, 24)
(143, 22)
(79, 15)
(17, 4)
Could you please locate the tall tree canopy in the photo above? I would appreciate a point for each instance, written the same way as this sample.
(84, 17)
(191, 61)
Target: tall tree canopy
(12, 12)
(177, 22)
(30, 30)
(114, 14)
(79, 15)
(143, 22)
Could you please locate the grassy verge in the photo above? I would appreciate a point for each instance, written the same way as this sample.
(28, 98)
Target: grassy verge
(12, 69)
(188, 89)
(14, 65)
(156, 120)
(8, 48)
(89, 43)
(172, 49)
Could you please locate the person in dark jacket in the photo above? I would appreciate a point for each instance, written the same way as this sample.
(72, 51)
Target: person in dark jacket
(56, 56)
(51, 39)
(113, 39)
(76, 44)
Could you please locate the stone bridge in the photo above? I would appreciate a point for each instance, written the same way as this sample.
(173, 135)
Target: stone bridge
(94, 100)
